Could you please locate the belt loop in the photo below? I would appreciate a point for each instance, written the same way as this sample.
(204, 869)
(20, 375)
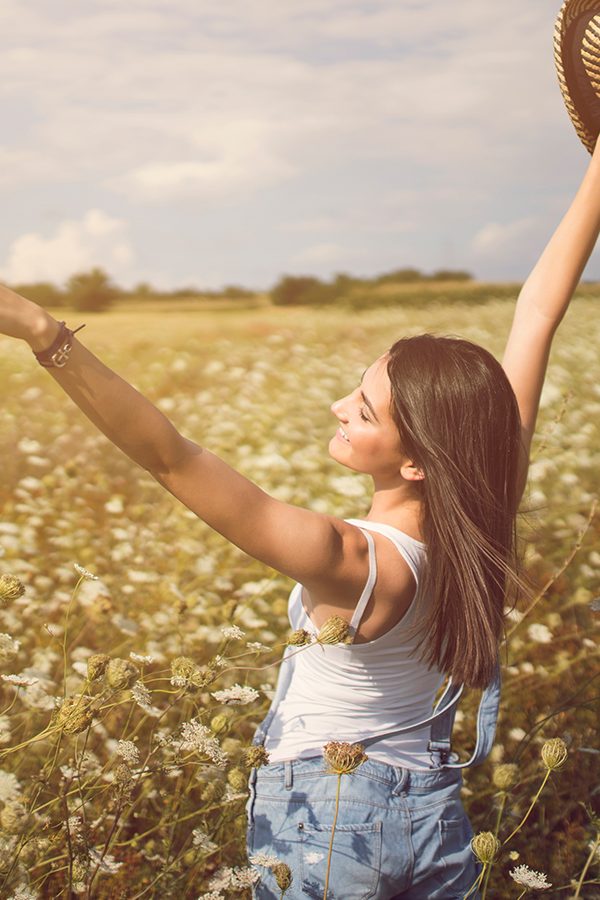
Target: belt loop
(403, 780)
(288, 774)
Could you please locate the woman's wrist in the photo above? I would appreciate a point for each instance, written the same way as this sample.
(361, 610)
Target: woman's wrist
(42, 330)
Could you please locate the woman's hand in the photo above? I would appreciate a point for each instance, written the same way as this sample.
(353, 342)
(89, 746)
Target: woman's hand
(21, 318)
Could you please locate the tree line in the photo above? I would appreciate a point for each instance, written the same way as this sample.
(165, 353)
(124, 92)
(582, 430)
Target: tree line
(95, 290)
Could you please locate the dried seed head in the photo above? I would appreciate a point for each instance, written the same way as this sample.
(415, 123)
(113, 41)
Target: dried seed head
(485, 846)
(214, 790)
(283, 876)
(121, 674)
(219, 723)
(81, 868)
(343, 757)
(334, 631)
(506, 776)
(96, 665)
(238, 779)
(554, 753)
(299, 638)
(74, 714)
(15, 817)
(11, 588)
(185, 673)
(256, 757)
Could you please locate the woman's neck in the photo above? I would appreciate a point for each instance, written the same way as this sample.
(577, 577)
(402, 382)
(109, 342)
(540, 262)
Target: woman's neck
(400, 505)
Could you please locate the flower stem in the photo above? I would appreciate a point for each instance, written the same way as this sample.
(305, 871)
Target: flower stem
(337, 803)
(477, 881)
(587, 865)
(533, 802)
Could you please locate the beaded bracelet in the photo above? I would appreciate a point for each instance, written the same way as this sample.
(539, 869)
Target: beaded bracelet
(57, 354)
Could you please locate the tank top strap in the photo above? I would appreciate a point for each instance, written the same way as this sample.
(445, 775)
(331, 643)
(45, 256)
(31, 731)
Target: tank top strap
(412, 551)
(368, 588)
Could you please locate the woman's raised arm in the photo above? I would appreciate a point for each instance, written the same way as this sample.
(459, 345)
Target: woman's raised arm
(318, 550)
(544, 299)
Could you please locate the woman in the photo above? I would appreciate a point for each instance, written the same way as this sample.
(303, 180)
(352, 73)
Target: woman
(445, 433)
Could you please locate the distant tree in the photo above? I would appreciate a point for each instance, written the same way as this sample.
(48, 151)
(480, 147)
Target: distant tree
(235, 292)
(91, 290)
(142, 291)
(451, 275)
(43, 293)
(400, 275)
(292, 290)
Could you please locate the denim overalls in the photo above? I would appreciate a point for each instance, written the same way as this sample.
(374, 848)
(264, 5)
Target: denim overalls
(399, 832)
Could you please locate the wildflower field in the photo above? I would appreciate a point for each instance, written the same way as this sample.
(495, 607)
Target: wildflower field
(128, 700)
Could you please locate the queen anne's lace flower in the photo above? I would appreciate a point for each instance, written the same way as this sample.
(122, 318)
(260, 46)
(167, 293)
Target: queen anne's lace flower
(236, 695)
(85, 573)
(143, 698)
(528, 878)
(198, 737)
(129, 752)
(232, 632)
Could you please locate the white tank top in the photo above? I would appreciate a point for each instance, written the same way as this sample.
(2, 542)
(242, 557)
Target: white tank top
(345, 692)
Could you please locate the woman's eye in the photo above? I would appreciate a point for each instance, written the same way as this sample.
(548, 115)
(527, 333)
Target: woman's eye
(362, 415)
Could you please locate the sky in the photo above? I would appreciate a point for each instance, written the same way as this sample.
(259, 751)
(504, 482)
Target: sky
(186, 142)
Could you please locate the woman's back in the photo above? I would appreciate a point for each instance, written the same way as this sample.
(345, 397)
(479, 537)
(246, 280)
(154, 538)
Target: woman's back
(352, 691)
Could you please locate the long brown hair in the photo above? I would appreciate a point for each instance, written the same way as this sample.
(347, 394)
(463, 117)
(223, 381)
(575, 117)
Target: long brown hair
(458, 420)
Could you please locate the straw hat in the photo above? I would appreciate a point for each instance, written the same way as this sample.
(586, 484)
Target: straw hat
(577, 58)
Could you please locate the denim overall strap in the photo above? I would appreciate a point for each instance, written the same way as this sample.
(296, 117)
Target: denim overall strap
(487, 717)
(445, 715)
(442, 720)
(283, 682)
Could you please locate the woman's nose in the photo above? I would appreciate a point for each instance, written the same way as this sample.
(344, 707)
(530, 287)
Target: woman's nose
(338, 408)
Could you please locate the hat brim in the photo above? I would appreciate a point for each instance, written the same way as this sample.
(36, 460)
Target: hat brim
(577, 59)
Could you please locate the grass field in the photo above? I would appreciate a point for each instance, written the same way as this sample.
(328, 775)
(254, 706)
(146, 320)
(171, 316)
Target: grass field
(126, 795)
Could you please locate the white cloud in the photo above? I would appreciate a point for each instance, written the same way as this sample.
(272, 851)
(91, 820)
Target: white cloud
(497, 239)
(240, 159)
(321, 253)
(96, 240)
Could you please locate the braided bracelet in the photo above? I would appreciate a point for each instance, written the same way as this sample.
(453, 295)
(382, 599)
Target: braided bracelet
(57, 354)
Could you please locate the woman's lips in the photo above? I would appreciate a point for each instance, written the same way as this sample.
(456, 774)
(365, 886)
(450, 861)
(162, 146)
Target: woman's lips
(341, 436)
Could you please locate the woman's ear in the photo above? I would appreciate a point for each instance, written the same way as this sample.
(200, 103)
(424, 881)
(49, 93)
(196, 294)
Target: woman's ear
(411, 472)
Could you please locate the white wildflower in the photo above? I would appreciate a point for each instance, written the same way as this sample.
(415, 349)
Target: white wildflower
(256, 645)
(243, 877)
(516, 734)
(202, 840)
(107, 862)
(129, 752)
(136, 657)
(142, 697)
(264, 859)
(20, 680)
(236, 695)
(23, 892)
(212, 895)
(198, 737)
(540, 633)
(232, 632)
(10, 787)
(528, 878)
(9, 647)
(233, 878)
(85, 573)
(5, 732)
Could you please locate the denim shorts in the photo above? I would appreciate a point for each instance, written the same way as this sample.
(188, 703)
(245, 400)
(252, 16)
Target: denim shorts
(399, 833)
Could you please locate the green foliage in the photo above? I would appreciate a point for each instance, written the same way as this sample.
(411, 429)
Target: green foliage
(92, 291)
(43, 293)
